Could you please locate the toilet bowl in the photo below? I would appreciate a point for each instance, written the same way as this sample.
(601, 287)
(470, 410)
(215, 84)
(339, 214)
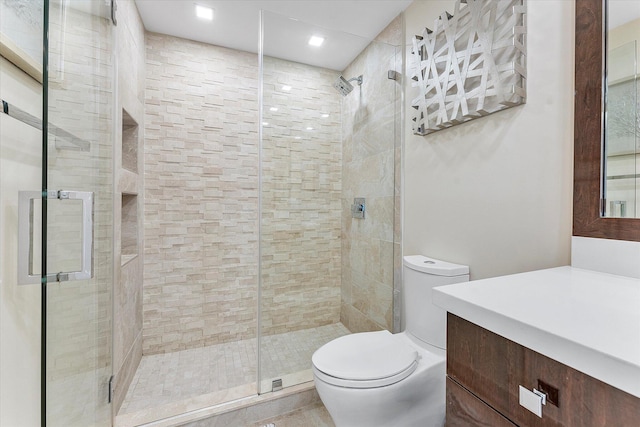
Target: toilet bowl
(391, 374)
(384, 379)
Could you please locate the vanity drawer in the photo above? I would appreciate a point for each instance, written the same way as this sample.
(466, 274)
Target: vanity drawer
(492, 368)
(464, 409)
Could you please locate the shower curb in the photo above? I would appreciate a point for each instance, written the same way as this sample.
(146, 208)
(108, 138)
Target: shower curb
(241, 412)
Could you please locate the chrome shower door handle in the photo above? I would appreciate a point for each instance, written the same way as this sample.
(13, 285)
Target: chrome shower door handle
(86, 270)
(26, 274)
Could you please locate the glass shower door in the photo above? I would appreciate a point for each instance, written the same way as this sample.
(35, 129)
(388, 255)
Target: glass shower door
(78, 96)
(329, 136)
(300, 207)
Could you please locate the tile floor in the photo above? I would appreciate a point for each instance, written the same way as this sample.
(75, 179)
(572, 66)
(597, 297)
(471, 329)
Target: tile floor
(166, 378)
(311, 416)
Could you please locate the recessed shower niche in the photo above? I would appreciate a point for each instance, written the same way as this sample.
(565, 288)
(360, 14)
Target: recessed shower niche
(129, 171)
(129, 244)
(129, 143)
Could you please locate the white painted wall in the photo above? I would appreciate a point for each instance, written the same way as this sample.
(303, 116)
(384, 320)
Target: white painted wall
(496, 193)
(20, 169)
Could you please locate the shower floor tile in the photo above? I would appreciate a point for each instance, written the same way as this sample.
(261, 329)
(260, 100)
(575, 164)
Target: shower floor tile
(166, 378)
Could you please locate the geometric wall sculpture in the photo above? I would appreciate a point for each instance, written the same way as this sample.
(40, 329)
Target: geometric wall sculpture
(471, 64)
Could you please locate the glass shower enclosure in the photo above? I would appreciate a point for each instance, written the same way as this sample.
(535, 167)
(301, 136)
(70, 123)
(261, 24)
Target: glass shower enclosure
(324, 234)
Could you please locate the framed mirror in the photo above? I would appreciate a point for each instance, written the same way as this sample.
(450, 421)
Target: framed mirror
(592, 215)
(621, 156)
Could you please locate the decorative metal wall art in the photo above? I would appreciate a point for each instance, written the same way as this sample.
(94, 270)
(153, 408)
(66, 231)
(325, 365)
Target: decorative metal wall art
(473, 63)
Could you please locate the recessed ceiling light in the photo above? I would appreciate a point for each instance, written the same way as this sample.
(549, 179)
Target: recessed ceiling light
(324, 116)
(309, 128)
(297, 137)
(286, 88)
(273, 109)
(204, 12)
(316, 41)
(265, 123)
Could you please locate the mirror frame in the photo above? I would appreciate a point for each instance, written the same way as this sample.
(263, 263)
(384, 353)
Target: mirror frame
(588, 129)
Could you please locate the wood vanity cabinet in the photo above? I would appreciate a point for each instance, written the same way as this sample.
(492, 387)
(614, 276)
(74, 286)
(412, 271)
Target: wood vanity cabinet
(484, 371)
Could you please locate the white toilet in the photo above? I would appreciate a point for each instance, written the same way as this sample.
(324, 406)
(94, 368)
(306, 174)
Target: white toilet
(384, 379)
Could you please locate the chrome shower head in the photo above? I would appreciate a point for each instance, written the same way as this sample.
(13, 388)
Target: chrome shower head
(344, 87)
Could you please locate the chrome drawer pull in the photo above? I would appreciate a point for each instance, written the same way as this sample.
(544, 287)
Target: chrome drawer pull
(532, 400)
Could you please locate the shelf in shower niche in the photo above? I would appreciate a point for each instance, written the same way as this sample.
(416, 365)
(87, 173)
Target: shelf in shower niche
(124, 259)
(128, 182)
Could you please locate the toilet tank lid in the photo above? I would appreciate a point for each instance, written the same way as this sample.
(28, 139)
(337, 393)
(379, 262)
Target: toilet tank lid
(434, 266)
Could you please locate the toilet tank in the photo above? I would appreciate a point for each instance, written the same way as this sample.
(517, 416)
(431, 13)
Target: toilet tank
(423, 319)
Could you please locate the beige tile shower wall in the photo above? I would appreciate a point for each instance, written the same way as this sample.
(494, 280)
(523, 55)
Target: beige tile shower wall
(201, 195)
(301, 190)
(371, 160)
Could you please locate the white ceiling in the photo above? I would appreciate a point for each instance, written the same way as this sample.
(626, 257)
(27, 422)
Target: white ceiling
(347, 25)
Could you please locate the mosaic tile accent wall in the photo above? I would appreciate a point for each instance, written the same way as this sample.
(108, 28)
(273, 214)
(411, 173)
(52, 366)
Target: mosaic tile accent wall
(201, 195)
(371, 169)
(302, 177)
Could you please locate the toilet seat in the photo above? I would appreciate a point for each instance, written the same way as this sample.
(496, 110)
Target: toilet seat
(365, 360)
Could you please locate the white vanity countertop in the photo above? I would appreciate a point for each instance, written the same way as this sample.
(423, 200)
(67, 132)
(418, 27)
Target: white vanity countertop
(587, 320)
